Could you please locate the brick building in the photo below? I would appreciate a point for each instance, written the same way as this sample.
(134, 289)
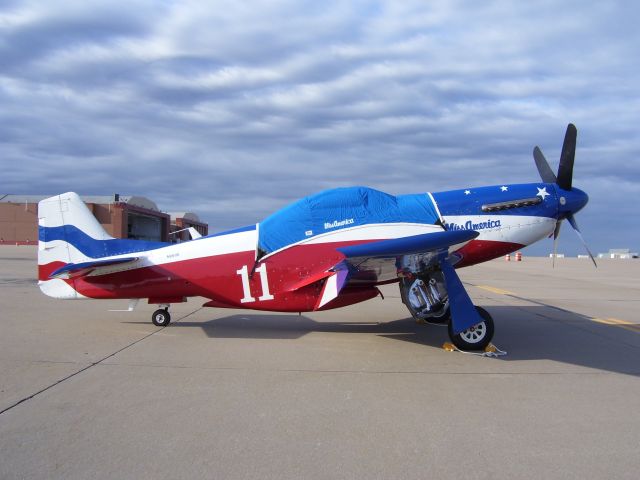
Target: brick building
(121, 216)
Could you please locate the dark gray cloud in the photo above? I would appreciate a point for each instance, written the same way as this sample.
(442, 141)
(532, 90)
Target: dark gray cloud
(234, 109)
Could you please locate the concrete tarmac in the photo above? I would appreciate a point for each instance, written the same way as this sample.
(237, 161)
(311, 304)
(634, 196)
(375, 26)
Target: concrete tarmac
(361, 392)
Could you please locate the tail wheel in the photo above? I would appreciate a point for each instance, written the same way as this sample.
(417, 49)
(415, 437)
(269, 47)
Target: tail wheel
(161, 317)
(476, 337)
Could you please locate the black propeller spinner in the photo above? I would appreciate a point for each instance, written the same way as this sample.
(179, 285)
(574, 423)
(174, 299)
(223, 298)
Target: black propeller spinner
(563, 180)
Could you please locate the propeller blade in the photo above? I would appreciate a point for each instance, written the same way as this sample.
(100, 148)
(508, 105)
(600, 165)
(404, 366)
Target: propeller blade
(573, 223)
(556, 234)
(546, 174)
(556, 231)
(565, 169)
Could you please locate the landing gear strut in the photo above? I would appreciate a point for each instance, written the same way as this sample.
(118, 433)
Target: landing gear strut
(426, 295)
(161, 317)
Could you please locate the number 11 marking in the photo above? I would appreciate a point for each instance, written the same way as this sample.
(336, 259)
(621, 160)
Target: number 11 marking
(266, 295)
(264, 283)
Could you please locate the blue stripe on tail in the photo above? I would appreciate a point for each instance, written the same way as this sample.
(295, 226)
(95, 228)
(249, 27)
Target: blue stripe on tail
(95, 248)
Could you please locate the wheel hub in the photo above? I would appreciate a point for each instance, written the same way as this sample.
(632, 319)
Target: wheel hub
(475, 333)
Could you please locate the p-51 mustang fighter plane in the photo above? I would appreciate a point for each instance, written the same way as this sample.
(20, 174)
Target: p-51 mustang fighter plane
(325, 251)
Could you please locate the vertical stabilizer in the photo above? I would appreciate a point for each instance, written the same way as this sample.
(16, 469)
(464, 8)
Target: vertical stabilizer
(67, 233)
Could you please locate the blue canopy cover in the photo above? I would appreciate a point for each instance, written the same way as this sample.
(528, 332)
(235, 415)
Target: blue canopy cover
(341, 208)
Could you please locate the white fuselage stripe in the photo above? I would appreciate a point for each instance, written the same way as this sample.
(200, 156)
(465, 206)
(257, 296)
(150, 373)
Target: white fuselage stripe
(521, 229)
(502, 228)
(374, 231)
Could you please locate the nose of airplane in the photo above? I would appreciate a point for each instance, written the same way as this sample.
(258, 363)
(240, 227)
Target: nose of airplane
(571, 201)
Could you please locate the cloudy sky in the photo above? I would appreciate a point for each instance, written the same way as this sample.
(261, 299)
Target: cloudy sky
(234, 109)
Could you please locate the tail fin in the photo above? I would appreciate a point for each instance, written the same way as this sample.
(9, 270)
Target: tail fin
(67, 233)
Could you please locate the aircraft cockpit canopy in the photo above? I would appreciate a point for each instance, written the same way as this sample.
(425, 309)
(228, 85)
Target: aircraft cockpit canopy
(338, 209)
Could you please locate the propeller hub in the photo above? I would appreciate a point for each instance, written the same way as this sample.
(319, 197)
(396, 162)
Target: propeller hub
(571, 201)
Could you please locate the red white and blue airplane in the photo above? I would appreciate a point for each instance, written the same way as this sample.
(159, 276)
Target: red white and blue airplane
(325, 251)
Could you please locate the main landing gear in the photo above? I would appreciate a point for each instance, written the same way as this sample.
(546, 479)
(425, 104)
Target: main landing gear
(427, 299)
(476, 337)
(161, 317)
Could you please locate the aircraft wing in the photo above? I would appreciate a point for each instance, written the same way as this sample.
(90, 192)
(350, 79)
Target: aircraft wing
(415, 245)
(375, 262)
(84, 268)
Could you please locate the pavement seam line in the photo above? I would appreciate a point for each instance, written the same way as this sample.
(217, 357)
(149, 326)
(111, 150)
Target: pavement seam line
(93, 364)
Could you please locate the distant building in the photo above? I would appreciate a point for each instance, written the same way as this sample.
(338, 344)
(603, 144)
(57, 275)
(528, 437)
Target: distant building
(180, 221)
(121, 216)
(623, 253)
(557, 255)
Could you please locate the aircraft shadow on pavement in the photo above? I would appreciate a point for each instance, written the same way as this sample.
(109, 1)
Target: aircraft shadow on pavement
(275, 326)
(527, 333)
(549, 333)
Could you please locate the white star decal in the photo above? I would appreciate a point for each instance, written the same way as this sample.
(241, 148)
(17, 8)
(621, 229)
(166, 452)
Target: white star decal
(542, 192)
(467, 192)
(503, 188)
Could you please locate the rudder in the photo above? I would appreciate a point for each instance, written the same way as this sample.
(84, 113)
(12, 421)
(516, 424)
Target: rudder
(67, 233)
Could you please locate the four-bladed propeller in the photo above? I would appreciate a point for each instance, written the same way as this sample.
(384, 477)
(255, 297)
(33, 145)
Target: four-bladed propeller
(571, 199)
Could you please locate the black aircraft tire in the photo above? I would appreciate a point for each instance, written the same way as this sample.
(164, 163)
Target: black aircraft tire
(161, 317)
(476, 337)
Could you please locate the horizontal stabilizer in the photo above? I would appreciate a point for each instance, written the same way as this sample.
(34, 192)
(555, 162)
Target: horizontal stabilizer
(83, 268)
(427, 242)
